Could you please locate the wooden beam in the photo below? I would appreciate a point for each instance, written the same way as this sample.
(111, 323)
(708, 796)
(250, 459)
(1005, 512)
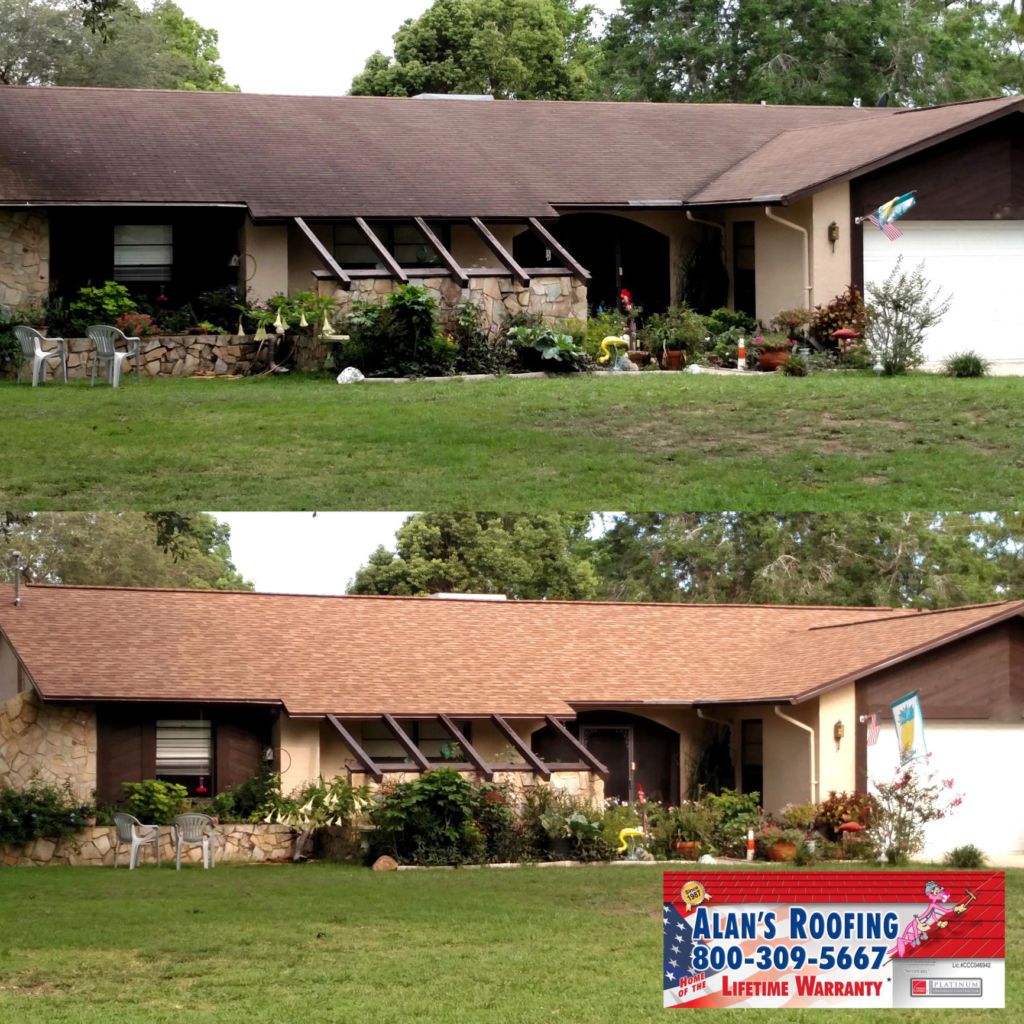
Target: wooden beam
(516, 740)
(500, 251)
(446, 257)
(361, 755)
(567, 258)
(486, 770)
(381, 249)
(329, 261)
(585, 754)
(407, 744)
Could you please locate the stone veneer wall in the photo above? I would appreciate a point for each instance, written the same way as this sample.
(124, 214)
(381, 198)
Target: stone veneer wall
(57, 742)
(178, 355)
(24, 257)
(94, 847)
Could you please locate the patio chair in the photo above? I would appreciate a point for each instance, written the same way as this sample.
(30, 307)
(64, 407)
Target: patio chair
(194, 830)
(105, 339)
(131, 831)
(31, 342)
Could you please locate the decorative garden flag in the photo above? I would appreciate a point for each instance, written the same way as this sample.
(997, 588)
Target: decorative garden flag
(906, 714)
(884, 216)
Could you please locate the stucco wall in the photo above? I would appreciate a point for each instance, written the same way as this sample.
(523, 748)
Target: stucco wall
(837, 767)
(8, 671)
(24, 257)
(830, 269)
(56, 742)
(297, 750)
(265, 261)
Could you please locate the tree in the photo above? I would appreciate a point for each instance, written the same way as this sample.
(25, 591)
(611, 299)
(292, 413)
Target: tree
(47, 42)
(811, 51)
(526, 49)
(123, 549)
(902, 559)
(521, 556)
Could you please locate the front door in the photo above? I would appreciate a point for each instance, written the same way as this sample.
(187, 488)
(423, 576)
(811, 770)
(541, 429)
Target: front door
(613, 747)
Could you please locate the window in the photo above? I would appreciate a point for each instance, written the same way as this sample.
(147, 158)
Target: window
(429, 735)
(143, 252)
(402, 239)
(184, 753)
(752, 755)
(744, 285)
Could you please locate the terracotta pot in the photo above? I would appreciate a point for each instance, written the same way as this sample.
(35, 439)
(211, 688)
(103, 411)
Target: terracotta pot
(782, 851)
(769, 361)
(672, 359)
(687, 850)
(639, 358)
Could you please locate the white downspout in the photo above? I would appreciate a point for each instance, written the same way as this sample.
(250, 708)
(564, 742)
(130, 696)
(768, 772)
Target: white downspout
(729, 726)
(711, 224)
(812, 739)
(807, 287)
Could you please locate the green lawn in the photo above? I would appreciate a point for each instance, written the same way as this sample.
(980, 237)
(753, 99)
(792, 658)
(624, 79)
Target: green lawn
(662, 442)
(329, 943)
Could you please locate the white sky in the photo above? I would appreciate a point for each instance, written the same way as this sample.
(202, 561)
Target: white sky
(297, 553)
(305, 47)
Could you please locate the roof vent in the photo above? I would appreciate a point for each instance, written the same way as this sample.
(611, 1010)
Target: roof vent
(451, 96)
(470, 597)
(17, 563)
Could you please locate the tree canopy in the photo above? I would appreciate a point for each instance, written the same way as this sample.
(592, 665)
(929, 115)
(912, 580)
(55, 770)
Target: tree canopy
(118, 44)
(521, 556)
(122, 549)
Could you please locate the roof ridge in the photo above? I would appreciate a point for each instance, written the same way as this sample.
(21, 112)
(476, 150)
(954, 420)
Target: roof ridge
(956, 103)
(920, 612)
(479, 598)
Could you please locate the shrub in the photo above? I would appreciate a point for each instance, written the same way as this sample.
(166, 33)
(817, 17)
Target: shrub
(965, 364)
(901, 311)
(801, 816)
(719, 321)
(845, 310)
(617, 816)
(791, 322)
(317, 805)
(544, 348)
(250, 801)
(136, 325)
(154, 801)
(552, 818)
(735, 813)
(100, 305)
(607, 324)
(965, 858)
(40, 810)
(677, 328)
(479, 348)
(904, 807)
(841, 808)
(797, 366)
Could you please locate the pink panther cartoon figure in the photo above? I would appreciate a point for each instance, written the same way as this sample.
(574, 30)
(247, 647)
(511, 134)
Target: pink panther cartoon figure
(933, 917)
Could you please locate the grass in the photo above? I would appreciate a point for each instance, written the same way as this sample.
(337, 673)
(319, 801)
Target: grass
(250, 944)
(664, 442)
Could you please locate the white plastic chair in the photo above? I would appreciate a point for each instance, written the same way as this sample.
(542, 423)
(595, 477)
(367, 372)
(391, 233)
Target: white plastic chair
(105, 339)
(195, 830)
(31, 342)
(131, 831)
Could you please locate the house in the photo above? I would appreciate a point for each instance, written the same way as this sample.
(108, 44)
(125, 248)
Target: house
(106, 685)
(547, 206)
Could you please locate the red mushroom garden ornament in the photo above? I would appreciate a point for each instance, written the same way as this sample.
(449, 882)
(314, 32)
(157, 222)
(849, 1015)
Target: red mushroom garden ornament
(845, 339)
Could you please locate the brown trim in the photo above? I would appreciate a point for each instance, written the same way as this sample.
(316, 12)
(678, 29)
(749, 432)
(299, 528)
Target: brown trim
(370, 767)
(585, 754)
(545, 236)
(523, 748)
(446, 257)
(860, 752)
(329, 261)
(500, 251)
(856, 244)
(406, 743)
(481, 765)
(381, 249)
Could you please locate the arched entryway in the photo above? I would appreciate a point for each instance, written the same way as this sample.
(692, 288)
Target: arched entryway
(618, 252)
(636, 751)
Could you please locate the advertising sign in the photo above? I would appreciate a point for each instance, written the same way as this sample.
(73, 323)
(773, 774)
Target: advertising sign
(892, 939)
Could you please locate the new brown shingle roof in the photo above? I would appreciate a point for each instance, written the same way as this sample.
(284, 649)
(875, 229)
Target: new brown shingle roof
(285, 156)
(419, 656)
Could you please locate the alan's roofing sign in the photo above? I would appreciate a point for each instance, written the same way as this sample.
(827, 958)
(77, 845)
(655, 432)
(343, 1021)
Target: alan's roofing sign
(905, 939)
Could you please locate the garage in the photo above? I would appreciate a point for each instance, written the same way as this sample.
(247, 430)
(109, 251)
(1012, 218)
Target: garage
(980, 264)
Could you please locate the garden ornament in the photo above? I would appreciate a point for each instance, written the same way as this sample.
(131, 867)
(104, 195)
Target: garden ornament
(625, 835)
(612, 344)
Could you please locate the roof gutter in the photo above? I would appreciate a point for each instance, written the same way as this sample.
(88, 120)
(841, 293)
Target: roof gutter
(808, 290)
(812, 741)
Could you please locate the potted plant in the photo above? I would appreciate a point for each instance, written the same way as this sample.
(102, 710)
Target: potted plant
(672, 334)
(780, 844)
(773, 351)
(693, 824)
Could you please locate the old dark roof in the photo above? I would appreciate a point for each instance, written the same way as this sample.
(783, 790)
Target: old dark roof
(421, 656)
(285, 156)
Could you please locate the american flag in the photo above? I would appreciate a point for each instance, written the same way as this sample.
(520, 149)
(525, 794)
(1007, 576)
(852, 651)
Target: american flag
(889, 230)
(873, 730)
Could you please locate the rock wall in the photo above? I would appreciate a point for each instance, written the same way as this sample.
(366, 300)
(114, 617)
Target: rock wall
(178, 355)
(553, 297)
(24, 257)
(57, 742)
(94, 847)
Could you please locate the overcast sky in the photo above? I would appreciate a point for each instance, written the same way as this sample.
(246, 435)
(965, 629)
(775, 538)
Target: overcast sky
(304, 47)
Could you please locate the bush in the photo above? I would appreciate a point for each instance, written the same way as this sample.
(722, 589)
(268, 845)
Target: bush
(608, 324)
(479, 346)
(791, 322)
(797, 366)
(735, 813)
(556, 824)
(317, 805)
(845, 310)
(677, 328)
(719, 321)
(136, 325)
(841, 808)
(901, 311)
(154, 801)
(904, 807)
(100, 306)
(250, 801)
(965, 858)
(965, 364)
(545, 348)
(40, 810)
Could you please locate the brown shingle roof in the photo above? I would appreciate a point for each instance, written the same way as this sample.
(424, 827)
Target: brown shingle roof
(417, 656)
(284, 156)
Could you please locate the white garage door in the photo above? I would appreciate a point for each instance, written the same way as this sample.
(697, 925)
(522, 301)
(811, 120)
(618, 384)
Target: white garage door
(980, 264)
